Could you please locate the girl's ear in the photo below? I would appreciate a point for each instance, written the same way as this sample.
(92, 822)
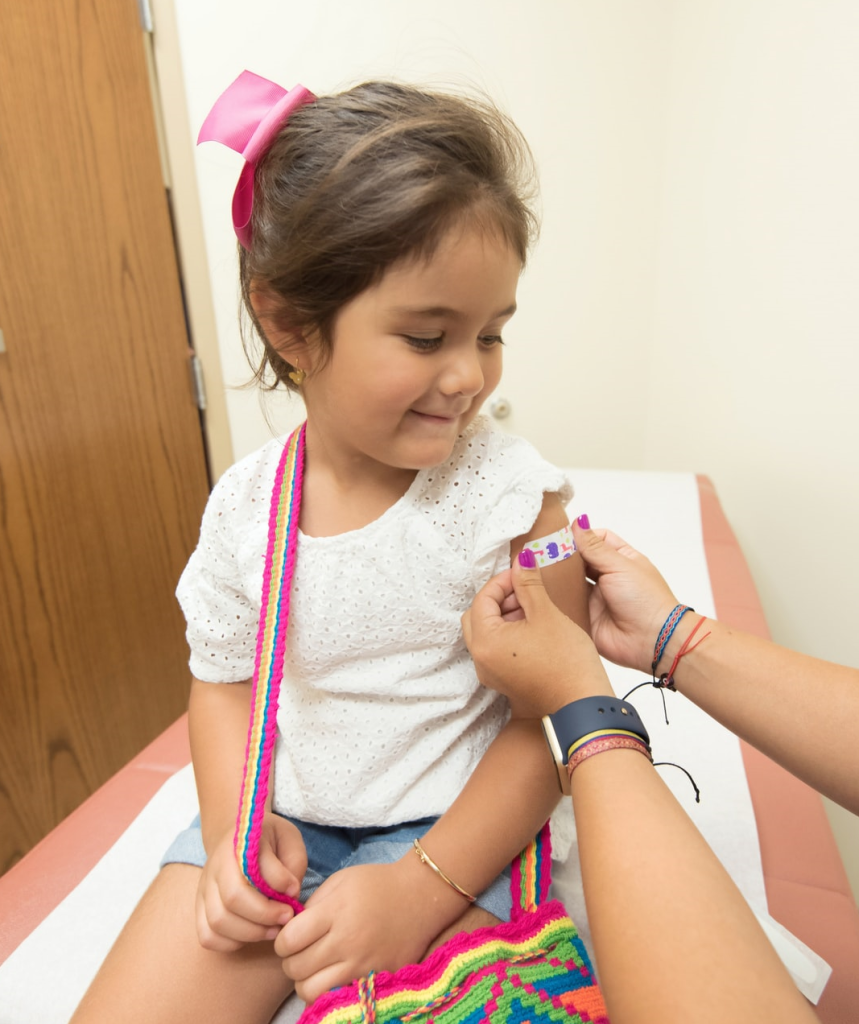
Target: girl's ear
(266, 306)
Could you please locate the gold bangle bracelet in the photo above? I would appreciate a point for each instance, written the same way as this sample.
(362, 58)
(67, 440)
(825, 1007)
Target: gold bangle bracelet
(424, 858)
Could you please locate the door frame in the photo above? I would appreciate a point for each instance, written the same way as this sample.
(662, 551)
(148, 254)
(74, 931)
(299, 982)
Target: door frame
(175, 136)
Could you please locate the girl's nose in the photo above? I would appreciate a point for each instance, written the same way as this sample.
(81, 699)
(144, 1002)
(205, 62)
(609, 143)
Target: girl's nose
(463, 374)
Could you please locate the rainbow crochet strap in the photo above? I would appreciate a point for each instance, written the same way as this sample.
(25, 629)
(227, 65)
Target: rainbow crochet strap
(268, 668)
(531, 874)
(529, 969)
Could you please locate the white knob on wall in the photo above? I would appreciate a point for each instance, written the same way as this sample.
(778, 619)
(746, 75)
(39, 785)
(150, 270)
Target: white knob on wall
(500, 408)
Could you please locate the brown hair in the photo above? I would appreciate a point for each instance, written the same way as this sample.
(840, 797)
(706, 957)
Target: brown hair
(360, 180)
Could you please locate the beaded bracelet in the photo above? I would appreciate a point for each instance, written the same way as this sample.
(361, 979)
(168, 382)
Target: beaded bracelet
(425, 858)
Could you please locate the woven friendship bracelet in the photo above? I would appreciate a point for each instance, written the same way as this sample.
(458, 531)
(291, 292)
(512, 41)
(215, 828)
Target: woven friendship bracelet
(667, 680)
(599, 734)
(667, 632)
(425, 858)
(604, 743)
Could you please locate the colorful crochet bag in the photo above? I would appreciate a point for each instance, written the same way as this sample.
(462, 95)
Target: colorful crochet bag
(533, 967)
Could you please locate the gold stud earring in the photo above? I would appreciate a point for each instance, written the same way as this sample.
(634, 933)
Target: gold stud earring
(297, 376)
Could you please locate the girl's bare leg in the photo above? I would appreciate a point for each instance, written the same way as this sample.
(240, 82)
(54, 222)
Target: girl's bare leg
(158, 973)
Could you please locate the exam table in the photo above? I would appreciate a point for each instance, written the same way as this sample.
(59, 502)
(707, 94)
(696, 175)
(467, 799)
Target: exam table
(806, 887)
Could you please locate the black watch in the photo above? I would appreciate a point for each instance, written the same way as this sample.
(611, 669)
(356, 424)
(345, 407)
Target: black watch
(590, 714)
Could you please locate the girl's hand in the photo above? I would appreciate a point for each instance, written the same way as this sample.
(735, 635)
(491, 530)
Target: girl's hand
(361, 919)
(629, 600)
(534, 655)
(230, 912)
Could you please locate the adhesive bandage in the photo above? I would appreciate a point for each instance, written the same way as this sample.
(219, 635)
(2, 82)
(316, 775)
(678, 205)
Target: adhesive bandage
(554, 548)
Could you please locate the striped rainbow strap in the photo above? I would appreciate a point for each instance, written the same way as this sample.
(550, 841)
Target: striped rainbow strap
(268, 668)
(531, 873)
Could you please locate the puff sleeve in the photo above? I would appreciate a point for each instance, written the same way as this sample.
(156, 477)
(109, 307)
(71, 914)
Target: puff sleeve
(219, 590)
(517, 479)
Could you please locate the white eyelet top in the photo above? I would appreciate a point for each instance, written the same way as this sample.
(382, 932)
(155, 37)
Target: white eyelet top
(381, 717)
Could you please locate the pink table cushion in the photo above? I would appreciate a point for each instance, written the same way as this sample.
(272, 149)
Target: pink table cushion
(807, 887)
(49, 872)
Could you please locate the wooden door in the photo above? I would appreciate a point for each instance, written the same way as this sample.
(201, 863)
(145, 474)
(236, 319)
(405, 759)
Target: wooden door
(102, 466)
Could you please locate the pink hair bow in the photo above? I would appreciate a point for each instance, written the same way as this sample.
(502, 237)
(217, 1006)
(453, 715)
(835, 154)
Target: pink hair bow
(246, 117)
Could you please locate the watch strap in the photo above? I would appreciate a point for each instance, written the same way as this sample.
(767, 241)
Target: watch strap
(592, 716)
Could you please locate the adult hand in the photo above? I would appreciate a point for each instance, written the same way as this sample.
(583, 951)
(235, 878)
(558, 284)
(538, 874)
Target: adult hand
(230, 912)
(629, 600)
(527, 649)
(360, 919)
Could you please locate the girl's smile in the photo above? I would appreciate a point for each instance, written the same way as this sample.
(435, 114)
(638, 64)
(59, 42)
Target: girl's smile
(413, 359)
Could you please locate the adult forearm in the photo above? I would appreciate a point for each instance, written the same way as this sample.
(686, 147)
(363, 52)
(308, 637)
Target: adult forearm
(218, 726)
(673, 938)
(796, 709)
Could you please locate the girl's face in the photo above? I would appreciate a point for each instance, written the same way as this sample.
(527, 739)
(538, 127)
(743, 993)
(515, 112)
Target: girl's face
(415, 355)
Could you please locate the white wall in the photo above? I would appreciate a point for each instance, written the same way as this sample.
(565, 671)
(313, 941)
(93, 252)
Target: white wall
(584, 82)
(692, 304)
(755, 343)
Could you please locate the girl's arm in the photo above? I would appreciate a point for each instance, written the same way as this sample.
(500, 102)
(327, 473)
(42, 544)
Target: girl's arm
(218, 726)
(230, 912)
(514, 789)
(383, 916)
(564, 581)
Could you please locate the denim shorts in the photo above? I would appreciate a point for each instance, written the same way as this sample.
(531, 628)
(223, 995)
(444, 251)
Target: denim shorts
(330, 849)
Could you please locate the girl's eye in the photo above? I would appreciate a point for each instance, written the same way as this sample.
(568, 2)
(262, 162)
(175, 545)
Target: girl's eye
(491, 339)
(423, 344)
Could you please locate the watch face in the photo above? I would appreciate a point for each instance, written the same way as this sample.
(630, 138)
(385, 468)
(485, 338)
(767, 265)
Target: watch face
(557, 754)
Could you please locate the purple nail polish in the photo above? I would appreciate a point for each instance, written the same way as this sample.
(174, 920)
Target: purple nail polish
(527, 559)
(583, 521)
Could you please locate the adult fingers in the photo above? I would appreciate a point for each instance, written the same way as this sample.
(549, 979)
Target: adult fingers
(487, 607)
(511, 610)
(602, 550)
(528, 585)
(605, 553)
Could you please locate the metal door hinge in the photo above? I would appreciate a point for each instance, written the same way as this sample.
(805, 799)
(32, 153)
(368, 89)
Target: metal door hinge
(198, 385)
(145, 11)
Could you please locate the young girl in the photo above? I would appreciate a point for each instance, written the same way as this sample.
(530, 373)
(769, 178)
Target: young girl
(383, 233)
